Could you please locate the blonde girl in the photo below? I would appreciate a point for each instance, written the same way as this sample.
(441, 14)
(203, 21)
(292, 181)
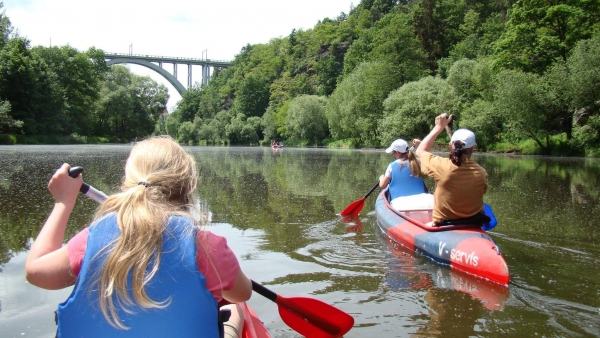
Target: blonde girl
(143, 268)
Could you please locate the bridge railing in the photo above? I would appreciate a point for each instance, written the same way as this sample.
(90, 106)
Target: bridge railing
(164, 58)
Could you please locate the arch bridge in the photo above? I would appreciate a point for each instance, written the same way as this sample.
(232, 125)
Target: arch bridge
(156, 64)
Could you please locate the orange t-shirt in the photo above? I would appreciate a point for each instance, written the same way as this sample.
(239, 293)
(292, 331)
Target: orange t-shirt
(459, 190)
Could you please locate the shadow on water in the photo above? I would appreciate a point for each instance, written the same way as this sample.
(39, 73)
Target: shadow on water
(278, 212)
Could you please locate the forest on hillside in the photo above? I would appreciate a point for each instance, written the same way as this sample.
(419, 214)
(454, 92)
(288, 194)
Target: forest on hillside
(522, 74)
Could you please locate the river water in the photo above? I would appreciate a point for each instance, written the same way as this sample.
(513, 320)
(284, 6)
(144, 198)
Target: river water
(278, 212)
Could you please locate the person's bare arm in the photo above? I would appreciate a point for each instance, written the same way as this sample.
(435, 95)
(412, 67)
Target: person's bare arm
(241, 291)
(383, 181)
(47, 264)
(441, 121)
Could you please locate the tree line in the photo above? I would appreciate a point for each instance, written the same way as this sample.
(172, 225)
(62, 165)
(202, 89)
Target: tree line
(521, 74)
(61, 95)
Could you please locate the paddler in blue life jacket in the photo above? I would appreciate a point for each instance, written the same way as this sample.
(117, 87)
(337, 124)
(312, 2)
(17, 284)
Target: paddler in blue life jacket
(403, 176)
(460, 181)
(143, 268)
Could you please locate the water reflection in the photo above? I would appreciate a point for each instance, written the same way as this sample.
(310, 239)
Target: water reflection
(279, 210)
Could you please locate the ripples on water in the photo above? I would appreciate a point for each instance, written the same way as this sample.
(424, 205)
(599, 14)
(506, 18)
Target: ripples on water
(278, 214)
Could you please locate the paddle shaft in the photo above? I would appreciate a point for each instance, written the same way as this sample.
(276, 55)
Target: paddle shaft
(372, 189)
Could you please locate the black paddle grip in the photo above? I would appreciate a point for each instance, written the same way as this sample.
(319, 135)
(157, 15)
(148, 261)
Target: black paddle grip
(76, 171)
(263, 291)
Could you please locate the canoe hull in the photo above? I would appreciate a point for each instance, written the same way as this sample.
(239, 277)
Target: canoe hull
(463, 248)
(253, 327)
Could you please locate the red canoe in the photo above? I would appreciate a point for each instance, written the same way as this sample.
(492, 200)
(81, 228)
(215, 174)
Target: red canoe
(253, 327)
(462, 247)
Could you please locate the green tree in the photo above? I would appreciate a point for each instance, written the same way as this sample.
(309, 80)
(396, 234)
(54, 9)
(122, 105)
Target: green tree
(583, 85)
(306, 118)
(437, 26)
(186, 133)
(25, 82)
(471, 79)
(482, 117)
(77, 77)
(252, 97)
(540, 32)
(7, 123)
(410, 110)
(233, 131)
(522, 102)
(391, 41)
(355, 107)
(6, 28)
(189, 104)
(130, 106)
(172, 125)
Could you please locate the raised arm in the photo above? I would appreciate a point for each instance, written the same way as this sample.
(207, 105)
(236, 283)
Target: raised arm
(441, 121)
(47, 264)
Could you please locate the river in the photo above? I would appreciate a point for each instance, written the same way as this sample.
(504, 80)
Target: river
(278, 212)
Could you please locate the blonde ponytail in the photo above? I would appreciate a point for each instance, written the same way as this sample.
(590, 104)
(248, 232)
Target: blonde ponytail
(160, 181)
(415, 166)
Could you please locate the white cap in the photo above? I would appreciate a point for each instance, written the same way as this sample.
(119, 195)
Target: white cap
(399, 145)
(465, 136)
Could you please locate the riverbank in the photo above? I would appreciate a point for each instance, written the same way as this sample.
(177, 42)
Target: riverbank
(556, 146)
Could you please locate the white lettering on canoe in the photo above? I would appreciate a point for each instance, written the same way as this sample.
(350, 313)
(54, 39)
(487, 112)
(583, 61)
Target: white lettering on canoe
(460, 256)
(441, 248)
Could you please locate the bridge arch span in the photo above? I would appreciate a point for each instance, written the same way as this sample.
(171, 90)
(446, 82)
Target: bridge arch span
(172, 79)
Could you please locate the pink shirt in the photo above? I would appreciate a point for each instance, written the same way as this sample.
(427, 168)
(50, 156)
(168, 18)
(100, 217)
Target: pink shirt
(220, 257)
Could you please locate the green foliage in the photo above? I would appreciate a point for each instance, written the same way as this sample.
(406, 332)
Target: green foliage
(6, 28)
(540, 32)
(437, 26)
(185, 132)
(583, 85)
(26, 84)
(306, 118)
(520, 100)
(189, 105)
(269, 124)
(372, 67)
(390, 41)
(8, 139)
(130, 106)
(252, 96)
(482, 118)
(7, 123)
(76, 80)
(410, 110)
(472, 80)
(356, 106)
(588, 136)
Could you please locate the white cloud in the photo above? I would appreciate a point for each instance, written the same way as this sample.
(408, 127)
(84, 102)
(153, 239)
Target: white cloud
(180, 28)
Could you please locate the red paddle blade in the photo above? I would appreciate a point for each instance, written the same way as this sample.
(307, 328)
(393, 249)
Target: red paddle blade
(354, 208)
(313, 318)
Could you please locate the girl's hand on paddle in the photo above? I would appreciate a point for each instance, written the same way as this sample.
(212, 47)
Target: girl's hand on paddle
(416, 143)
(63, 187)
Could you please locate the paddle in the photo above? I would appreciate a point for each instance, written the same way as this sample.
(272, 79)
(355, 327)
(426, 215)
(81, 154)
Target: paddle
(307, 316)
(355, 207)
(87, 189)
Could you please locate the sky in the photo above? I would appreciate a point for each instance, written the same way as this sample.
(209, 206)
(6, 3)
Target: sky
(217, 29)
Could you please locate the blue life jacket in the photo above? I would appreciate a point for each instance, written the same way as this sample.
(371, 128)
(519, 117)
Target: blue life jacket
(402, 184)
(193, 311)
